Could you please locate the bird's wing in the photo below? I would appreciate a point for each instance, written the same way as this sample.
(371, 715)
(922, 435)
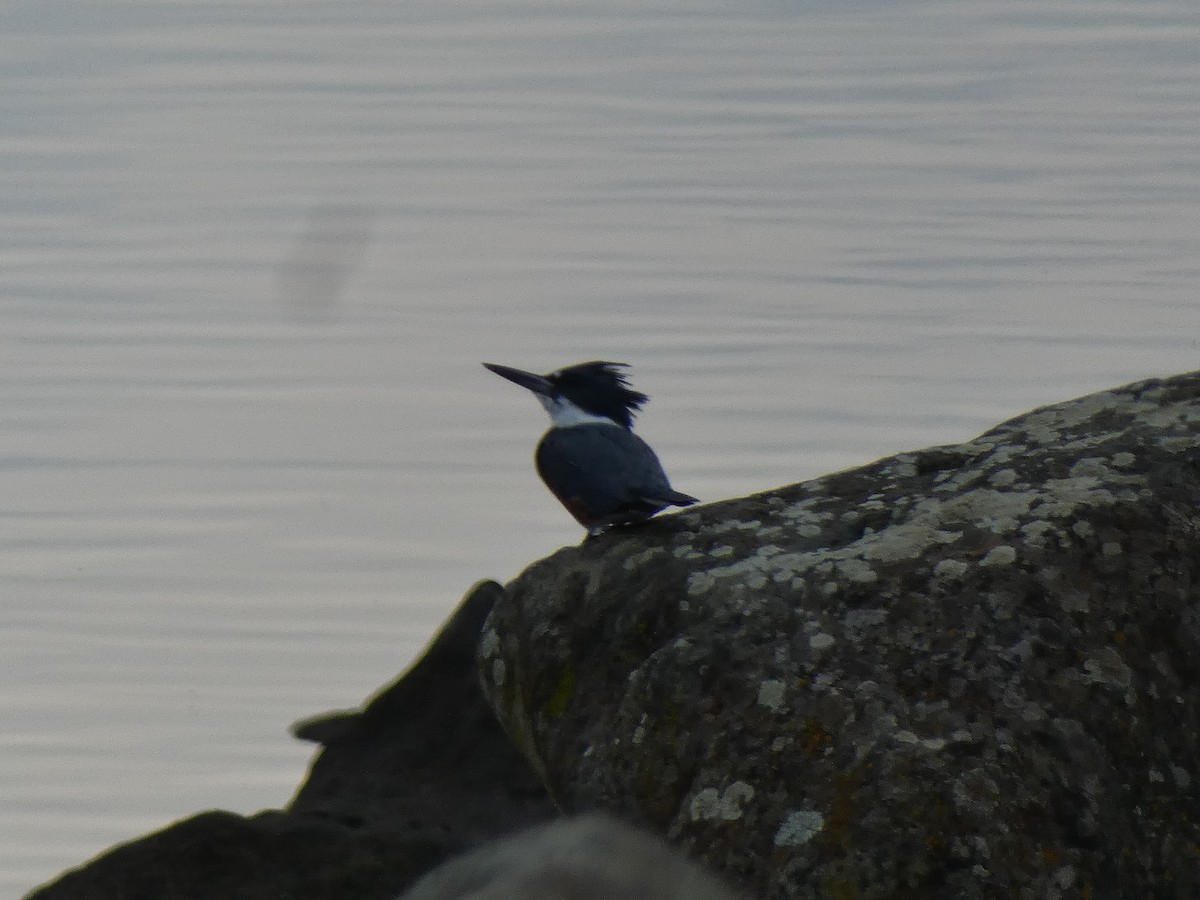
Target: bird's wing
(603, 468)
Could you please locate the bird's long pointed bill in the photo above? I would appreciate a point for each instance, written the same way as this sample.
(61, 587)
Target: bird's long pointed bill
(527, 380)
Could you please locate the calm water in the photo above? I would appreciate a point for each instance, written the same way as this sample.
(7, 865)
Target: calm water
(253, 254)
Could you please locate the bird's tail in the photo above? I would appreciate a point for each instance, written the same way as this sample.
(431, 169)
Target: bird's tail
(675, 498)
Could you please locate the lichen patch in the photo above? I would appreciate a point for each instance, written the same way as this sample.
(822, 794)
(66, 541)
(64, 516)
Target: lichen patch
(771, 693)
(726, 806)
(800, 827)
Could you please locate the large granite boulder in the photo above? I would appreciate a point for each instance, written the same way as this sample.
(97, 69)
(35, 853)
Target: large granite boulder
(969, 671)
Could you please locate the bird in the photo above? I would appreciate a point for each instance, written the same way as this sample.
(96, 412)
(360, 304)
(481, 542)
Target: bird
(590, 459)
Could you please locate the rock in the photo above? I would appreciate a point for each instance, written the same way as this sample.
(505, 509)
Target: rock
(421, 772)
(426, 756)
(590, 857)
(220, 854)
(965, 672)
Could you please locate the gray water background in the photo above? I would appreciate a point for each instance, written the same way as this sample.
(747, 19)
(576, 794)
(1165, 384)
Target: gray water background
(254, 252)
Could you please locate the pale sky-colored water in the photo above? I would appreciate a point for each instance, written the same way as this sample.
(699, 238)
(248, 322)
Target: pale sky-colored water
(253, 254)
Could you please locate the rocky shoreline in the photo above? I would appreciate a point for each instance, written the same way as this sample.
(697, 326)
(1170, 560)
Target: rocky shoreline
(968, 671)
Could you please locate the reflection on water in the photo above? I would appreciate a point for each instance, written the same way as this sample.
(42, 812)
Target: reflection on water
(254, 255)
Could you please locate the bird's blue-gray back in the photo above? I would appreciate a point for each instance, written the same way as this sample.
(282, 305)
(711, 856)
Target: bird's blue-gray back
(606, 468)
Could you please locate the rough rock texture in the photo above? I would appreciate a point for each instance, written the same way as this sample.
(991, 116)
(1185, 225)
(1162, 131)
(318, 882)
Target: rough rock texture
(590, 857)
(971, 671)
(421, 772)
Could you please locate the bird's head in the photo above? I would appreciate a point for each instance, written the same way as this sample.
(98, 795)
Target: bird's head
(585, 392)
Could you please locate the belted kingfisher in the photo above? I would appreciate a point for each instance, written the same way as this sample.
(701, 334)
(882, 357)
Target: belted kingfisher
(591, 460)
